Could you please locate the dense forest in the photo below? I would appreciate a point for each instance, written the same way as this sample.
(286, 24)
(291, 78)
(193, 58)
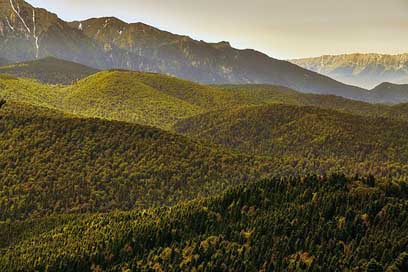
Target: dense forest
(58, 163)
(160, 100)
(292, 224)
(130, 171)
(48, 70)
(61, 164)
(309, 132)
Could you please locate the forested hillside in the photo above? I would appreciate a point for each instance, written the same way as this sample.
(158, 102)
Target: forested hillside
(61, 164)
(309, 132)
(293, 224)
(57, 163)
(49, 70)
(160, 101)
(83, 193)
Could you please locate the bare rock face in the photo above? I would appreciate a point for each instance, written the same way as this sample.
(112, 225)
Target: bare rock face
(30, 33)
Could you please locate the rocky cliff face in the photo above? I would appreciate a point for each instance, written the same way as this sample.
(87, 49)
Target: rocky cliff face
(364, 70)
(28, 33)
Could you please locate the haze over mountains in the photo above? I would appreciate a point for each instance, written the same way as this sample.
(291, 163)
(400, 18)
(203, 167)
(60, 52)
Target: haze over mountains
(28, 33)
(363, 70)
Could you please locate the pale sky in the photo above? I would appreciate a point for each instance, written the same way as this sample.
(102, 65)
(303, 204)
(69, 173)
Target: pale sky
(280, 28)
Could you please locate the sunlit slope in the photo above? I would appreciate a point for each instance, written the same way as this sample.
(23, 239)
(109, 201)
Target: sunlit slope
(160, 100)
(29, 91)
(119, 95)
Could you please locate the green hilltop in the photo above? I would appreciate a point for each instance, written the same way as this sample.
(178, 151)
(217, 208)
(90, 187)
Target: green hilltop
(49, 70)
(160, 100)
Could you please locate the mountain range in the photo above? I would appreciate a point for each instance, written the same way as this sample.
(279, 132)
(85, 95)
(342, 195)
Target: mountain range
(363, 70)
(28, 33)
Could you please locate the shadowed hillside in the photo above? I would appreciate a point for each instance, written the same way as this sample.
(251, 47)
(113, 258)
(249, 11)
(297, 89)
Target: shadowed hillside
(49, 70)
(309, 132)
(60, 164)
(4, 61)
(294, 224)
(393, 93)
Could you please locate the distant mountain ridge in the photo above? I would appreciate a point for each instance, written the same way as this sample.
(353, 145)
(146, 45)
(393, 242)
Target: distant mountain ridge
(394, 93)
(28, 33)
(4, 61)
(363, 70)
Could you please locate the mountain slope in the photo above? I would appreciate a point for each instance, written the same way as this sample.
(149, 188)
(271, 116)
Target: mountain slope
(261, 95)
(57, 164)
(163, 52)
(160, 100)
(364, 70)
(309, 132)
(297, 224)
(4, 61)
(30, 33)
(49, 70)
(120, 95)
(393, 93)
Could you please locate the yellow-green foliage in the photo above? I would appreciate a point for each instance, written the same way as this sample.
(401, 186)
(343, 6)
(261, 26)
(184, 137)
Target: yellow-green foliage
(59, 164)
(308, 132)
(160, 101)
(29, 91)
(120, 95)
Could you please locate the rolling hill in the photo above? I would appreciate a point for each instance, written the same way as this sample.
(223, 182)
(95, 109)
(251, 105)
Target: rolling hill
(110, 43)
(364, 70)
(297, 224)
(120, 95)
(49, 70)
(308, 132)
(57, 163)
(160, 100)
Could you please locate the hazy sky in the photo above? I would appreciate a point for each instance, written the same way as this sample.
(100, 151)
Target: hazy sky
(279, 28)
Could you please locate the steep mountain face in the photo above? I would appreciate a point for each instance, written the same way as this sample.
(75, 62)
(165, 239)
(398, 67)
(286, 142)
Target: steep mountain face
(364, 70)
(142, 47)
(49, 70)
(28, 33)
